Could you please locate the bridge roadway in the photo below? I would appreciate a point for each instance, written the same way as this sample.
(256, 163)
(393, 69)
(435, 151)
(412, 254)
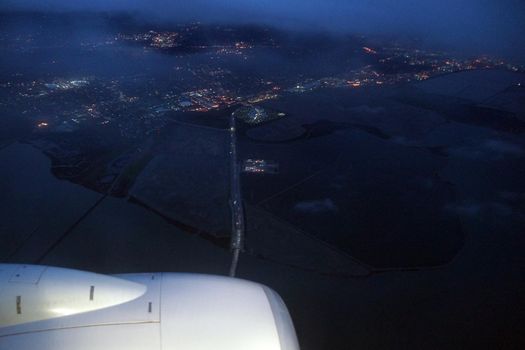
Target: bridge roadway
(237, 209)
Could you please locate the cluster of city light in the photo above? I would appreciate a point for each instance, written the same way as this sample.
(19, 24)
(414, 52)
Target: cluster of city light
(204, 100)
(431, 64)
(260, 166)
(165, 40)
(66, 84)
(162, 40)
(212, 89)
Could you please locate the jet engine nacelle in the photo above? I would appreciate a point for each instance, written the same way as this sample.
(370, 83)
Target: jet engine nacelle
(49, 308)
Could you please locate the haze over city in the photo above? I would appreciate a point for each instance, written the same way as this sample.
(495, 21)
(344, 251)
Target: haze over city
(488, 25)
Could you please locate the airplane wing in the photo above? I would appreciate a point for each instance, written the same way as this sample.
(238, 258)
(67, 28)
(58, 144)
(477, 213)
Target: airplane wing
(52, 308)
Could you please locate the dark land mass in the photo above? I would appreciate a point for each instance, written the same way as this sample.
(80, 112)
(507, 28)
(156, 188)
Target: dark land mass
(353, 174)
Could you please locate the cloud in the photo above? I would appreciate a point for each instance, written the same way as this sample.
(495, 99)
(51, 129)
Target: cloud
(503, 147)
(316, 206)
(492, 149)
(476, 209)
(368, 110)
(476, 24)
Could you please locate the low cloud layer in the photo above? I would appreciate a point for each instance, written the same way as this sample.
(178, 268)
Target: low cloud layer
(478, 25)
(316, 207)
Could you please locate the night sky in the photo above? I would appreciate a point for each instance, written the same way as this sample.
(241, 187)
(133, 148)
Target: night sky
(491, 26)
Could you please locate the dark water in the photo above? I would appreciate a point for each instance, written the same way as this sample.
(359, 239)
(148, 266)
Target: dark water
(350, 185)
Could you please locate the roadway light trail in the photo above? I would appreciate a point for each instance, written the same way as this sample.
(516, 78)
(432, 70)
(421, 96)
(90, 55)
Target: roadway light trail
(237, 210)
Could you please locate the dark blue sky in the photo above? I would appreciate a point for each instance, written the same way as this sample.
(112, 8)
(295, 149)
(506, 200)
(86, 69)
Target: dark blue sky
(479, 25)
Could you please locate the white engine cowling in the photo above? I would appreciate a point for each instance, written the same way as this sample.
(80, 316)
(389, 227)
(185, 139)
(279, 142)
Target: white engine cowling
(49, 308)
